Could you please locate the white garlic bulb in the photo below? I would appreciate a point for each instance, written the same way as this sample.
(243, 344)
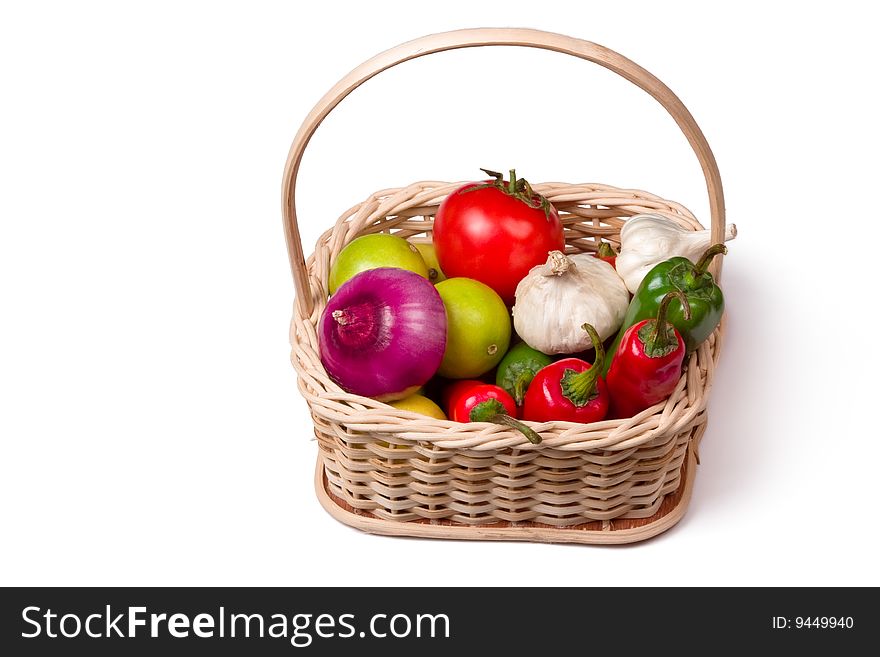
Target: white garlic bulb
(649, 239)
(557, 298)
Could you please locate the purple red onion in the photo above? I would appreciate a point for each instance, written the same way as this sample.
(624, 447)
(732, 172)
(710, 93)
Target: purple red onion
(383, 333)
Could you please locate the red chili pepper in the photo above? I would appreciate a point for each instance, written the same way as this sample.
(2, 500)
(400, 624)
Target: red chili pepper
(475, 401)
(607, 253)
(569, 389)
(647, 365)
(453, 391)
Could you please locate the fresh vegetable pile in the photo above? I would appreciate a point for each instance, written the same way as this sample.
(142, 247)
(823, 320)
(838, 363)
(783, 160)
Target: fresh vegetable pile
(494, 322)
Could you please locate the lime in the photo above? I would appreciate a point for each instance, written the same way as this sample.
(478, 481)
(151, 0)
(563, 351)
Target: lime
(477, 328)
(374, 251)
(419, 404)
(429, 255)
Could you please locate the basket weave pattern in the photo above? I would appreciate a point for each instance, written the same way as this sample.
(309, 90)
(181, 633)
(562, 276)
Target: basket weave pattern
(401, 466)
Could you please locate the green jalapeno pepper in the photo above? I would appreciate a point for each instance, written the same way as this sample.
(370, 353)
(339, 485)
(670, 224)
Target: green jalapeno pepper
(517, 369)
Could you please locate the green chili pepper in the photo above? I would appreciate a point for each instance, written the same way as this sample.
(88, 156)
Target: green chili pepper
(517, 369)
(703, 295)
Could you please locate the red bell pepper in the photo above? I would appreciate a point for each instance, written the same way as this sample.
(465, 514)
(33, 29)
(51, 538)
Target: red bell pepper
(475, 401)
(647, 365)
(607, 253)
(569, 389)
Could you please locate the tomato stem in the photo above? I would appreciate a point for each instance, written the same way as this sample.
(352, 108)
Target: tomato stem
(519, 189)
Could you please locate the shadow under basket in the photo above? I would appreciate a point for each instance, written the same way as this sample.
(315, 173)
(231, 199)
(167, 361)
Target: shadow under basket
(387, 471)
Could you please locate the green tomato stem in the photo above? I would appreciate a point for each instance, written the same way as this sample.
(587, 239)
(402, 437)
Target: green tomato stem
(518, 189)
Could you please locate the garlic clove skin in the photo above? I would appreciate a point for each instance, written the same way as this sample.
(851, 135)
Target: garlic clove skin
(557, 298)
(649, 239)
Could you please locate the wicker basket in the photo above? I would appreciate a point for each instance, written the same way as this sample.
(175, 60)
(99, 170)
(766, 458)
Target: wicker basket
(394, 472)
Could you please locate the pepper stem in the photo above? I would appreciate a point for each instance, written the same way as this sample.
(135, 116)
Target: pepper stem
(579, 387)
(605, 250)
(661, 339)
(519, 386)
(503, 418)
(493, 411)
(704, 261)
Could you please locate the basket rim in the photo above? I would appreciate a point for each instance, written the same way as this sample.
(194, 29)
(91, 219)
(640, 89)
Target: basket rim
(390, 208)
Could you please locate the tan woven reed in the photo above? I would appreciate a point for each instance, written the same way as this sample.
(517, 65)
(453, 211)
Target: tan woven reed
(397, 472)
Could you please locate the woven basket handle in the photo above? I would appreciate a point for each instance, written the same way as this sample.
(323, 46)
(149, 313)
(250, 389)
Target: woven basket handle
(488, 37)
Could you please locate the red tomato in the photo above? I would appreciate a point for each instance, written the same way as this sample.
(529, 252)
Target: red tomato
(495, 232)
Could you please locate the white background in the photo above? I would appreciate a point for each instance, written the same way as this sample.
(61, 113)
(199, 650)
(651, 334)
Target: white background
(151, 428)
